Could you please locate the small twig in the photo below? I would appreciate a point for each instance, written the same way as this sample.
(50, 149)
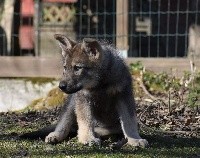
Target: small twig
(144, 88)
(145, 127)
(192, 68)
(145, 110)
(169, 104)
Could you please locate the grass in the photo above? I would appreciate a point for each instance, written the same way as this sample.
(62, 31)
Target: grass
(160, 146)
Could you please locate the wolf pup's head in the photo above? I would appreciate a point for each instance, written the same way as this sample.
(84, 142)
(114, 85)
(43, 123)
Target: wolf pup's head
(81, 62)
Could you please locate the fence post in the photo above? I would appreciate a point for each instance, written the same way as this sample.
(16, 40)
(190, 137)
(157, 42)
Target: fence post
(36, 26)
(6, 22)
(122, 27)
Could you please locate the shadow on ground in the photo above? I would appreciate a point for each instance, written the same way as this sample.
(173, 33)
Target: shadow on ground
(160, 146)
(12, 125)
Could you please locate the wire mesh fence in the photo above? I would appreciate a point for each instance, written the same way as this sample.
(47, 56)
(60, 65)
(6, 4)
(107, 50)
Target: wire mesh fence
(164, 27)
(155, 28)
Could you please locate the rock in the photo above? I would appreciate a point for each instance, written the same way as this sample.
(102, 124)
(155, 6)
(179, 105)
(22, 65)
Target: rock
(16, 94)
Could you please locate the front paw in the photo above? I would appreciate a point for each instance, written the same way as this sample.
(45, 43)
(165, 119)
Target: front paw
(53, 138)
(89, 140)
(138, 142)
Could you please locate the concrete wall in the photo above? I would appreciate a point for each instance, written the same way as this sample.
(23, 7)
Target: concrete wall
(52, 67)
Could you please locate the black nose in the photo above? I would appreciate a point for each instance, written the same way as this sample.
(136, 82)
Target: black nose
(63, 85)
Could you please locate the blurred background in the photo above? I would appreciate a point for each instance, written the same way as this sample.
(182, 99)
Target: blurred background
(162, 34)
(140, 28)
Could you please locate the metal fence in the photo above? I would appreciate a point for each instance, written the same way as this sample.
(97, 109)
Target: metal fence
(156, 28)
(162, 27)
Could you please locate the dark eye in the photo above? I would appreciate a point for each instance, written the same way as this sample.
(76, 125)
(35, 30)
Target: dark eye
(77, 68)
(65, 68)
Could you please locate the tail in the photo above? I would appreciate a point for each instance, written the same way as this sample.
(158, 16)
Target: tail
(41, 133)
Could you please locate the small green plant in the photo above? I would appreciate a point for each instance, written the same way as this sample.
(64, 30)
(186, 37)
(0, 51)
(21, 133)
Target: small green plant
(136, 66)
(155, 82)
(194, 92)
(162, 83)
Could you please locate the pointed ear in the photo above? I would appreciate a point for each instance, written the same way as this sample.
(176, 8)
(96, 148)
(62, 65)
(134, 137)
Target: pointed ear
(92, 47)
(65, 43)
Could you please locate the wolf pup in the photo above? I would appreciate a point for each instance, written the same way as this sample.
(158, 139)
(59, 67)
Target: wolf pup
(100, 96)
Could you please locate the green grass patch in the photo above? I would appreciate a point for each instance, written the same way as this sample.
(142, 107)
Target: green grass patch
(12, 125)
(159, 147)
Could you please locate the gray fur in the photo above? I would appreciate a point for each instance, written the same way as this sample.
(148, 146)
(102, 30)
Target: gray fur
(101, 99)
